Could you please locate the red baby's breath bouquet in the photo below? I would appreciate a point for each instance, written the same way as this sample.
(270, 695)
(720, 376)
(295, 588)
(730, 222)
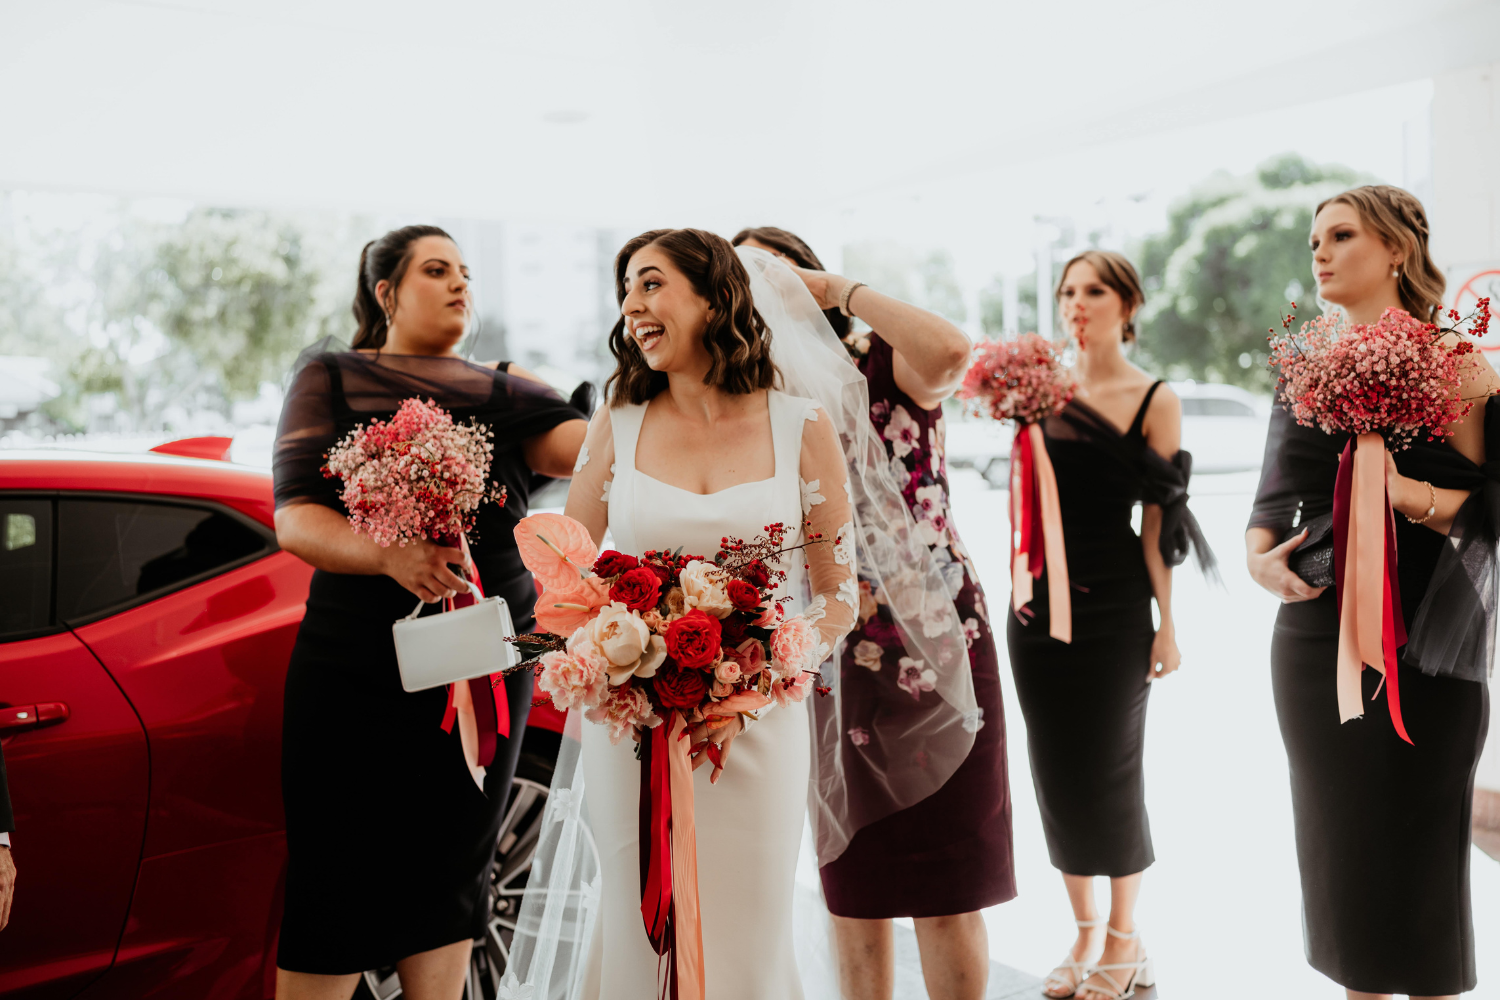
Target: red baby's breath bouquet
(1383, 383)
(1396, 377)
(418, 475)
(1022, 380)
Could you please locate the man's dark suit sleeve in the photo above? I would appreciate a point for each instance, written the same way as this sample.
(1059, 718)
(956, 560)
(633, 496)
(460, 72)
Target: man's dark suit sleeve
(7, 820)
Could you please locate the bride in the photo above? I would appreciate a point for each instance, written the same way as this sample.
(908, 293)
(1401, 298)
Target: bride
(711, 431)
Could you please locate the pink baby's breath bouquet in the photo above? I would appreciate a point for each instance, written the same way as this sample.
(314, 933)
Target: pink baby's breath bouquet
(1397, 377)
(1382, 383)
(416, 476)
(1022, 380)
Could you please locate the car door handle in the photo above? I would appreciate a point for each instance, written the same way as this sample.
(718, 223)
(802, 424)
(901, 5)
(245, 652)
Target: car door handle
(20, 718)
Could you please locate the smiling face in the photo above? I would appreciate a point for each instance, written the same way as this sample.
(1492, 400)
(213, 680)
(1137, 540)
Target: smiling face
(432, 302)
(1092, 311)
(1351, 263)
(665, 317)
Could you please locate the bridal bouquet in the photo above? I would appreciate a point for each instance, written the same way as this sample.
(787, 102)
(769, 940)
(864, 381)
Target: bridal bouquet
(1383, 383)
(418, 475)
(1022, 380)
(1394, 377)
(630, 639)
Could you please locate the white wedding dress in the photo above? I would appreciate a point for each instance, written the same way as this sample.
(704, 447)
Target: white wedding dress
(749, 824)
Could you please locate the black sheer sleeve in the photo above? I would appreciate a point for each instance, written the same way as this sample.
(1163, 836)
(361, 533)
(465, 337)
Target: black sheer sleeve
(1453, 632)
(1277, 498)
(307, 430)
(1166, 486)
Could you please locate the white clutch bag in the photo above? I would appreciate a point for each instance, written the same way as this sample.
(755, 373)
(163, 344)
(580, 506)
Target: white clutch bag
(454, 645)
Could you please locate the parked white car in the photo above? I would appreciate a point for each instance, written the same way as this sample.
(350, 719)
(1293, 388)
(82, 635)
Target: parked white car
(1223, 426)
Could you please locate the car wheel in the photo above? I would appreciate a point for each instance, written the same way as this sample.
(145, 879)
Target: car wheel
(519, 832)
(997, 472)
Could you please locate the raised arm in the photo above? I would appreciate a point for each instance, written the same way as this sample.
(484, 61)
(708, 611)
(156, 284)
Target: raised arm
(593, 473)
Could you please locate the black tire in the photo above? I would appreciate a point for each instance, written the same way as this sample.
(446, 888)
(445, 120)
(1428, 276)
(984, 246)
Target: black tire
(519, 831)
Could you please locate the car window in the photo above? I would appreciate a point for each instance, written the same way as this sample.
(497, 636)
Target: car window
(110, 552)
(25, 565)
(1209, 407)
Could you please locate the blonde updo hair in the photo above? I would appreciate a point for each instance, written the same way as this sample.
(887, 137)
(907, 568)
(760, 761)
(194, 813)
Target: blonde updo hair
(1398, 218)
(1116, 271)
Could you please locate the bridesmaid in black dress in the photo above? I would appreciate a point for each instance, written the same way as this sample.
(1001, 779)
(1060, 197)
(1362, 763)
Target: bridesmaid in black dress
(389, 835)
(1383, 825)
(944, 859)
(1084, 702)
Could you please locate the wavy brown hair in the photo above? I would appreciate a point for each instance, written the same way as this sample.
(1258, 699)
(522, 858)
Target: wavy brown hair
(1398, 218)
(1116, 271)
(737, 339)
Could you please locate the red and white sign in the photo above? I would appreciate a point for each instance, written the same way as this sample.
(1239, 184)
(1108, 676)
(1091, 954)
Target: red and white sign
(1467, 285)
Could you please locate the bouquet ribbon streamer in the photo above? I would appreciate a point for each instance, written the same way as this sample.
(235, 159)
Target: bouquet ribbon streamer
(1036, 534)
(479, 705)
(669, 857)
(1371, 627)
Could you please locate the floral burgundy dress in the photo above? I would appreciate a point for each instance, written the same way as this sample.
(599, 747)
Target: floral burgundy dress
(950, 853)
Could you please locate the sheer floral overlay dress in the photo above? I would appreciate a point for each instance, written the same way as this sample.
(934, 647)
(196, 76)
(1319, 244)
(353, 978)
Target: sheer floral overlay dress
(390, 841)
(951, 852)
(749, 823)
(1382, 825)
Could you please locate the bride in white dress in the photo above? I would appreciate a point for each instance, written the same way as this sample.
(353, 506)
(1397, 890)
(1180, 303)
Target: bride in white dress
(703, 437)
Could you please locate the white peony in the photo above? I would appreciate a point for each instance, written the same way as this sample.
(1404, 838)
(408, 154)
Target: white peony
(624, 640)
(705, 586)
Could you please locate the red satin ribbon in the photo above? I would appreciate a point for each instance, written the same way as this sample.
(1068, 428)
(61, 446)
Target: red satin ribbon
(1371, 627)
(669, 858)
(486, 694)
(1036, 536)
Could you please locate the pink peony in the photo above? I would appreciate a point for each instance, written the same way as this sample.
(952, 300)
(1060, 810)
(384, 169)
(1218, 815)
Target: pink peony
(573, 680)
(625, 708)
(792, 645)
(791, 690)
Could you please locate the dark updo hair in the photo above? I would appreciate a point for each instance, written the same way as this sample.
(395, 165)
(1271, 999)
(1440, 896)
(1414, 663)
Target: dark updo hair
(801, 254)
(1116, 271)
(1398, 218)
(738, 340)
(385, 259)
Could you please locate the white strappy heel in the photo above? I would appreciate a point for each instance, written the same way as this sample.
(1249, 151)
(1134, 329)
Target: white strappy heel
(1137, 973)
(1079, 971)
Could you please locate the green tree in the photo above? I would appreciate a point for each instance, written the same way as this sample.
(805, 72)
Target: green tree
(1233, 255)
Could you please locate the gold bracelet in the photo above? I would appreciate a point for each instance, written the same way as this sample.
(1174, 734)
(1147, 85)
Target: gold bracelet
(1431, 505)
(847, 293)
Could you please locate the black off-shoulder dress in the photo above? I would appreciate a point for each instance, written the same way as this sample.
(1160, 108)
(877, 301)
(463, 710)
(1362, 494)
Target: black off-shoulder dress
(1382, 825)
(390, 841)
(1085, 702)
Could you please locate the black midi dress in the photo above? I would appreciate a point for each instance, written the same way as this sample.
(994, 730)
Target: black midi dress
(1383, 826)
(390, 840)
(1084, 702)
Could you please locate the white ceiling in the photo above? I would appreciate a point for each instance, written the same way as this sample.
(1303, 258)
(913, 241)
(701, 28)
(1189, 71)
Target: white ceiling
(652, 112)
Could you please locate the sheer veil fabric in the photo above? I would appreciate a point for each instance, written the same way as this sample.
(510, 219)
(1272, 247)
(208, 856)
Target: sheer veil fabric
(914, 754)
(551, 953)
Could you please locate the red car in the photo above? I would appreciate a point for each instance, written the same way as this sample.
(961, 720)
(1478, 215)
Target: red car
(146, 619)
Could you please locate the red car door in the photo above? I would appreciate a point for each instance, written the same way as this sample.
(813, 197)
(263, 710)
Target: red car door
(204, 666)
(78, 777)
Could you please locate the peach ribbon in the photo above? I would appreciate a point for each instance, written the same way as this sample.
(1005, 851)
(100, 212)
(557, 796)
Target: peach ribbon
(1369, 605)
(687, 918)
(1035, 511)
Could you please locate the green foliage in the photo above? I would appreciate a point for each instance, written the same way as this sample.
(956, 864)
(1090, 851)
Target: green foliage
(1233, 255)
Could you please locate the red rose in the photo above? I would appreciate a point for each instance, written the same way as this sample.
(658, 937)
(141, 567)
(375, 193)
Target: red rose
(743, 596)
(680, 688)
(693, 639)
(757, 575)
(662, 573)
(638, 589)
(732, 631)
(612, 563)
